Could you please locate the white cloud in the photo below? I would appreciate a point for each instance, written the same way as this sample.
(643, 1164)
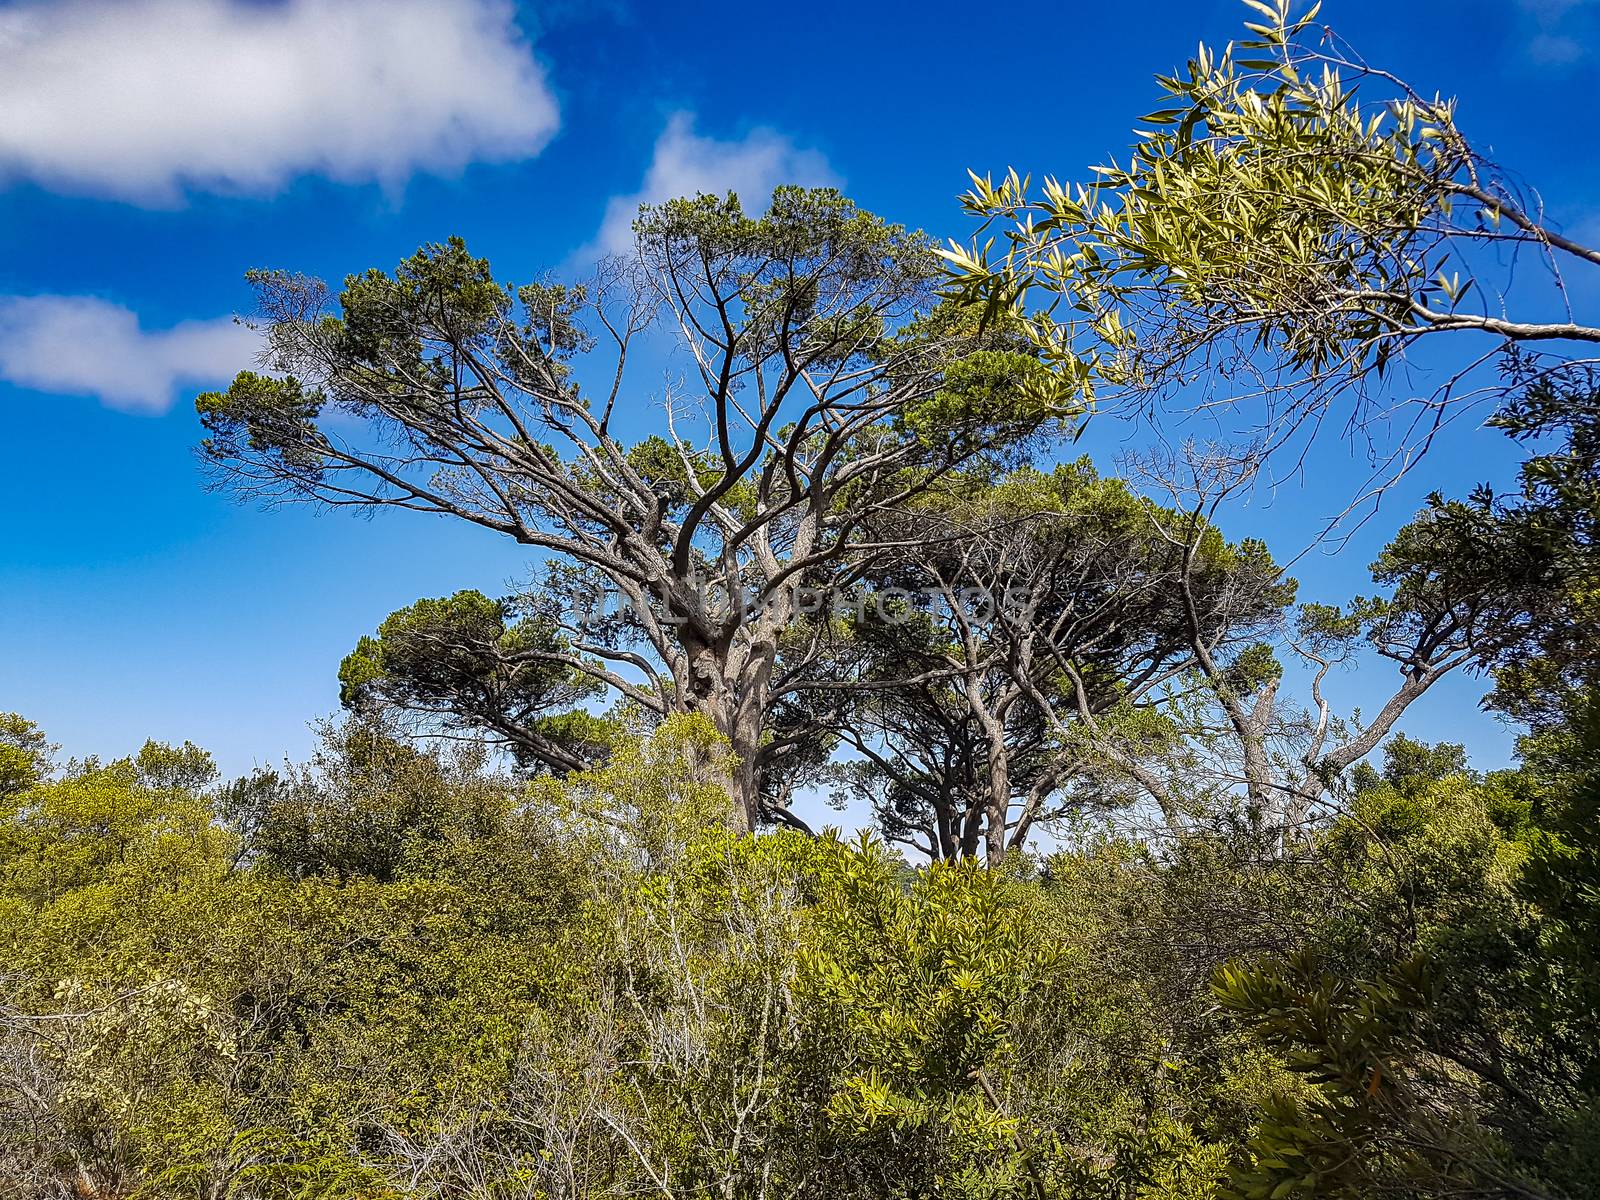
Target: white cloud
(83, 346)
(686, 164)
(1549, 10)
(1554, 49)
(1549, 45)
(144, 99)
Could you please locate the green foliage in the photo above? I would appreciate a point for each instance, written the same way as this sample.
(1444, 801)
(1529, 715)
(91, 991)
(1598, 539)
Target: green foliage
(394, 973)
(466, 662)
(665, 467)
(398, 971)
(1290, 218)
(1437, 1012)
(831, 387)
(920, 985)
(275, 418)
(364, 805)
(1561, 879)
(24, 755)
(1352, 1041)
(1543, 539)
(997, 393)
(1046, 602)
(1261, 193)
(442, 289)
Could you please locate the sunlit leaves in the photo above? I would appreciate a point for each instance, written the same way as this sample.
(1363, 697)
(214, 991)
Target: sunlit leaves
(1264, 203)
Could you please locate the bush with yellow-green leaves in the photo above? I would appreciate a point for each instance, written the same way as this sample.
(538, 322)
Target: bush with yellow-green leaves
(395, 973)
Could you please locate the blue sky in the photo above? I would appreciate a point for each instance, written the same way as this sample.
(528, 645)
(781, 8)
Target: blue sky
(153, 150)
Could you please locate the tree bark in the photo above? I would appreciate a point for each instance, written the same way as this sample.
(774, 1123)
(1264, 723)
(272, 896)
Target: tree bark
(997, 781)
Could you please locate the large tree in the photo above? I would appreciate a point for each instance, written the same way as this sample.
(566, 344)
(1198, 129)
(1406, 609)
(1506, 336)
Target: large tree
(823, 388)
(1040, 609)
(1463, 585)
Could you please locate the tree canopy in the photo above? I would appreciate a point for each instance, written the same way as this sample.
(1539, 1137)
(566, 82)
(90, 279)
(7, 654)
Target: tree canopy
(828, 386)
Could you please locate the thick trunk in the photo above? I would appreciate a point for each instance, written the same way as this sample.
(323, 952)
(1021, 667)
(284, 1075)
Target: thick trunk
(745, 787)
(724, 773)
(728, 659)
(997, 777)
(947, 827)
(998, 805)
(740, 778)
(972, 830)
(732, 696)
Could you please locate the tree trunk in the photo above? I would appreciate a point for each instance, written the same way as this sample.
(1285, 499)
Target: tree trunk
(999, 806)
(744, 737)
(997, 777)
(720, 772)
(740, 779)
(732, 696)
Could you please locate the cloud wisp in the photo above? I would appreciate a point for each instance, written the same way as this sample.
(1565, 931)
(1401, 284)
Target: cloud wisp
(145, 100)
(1561, 30)
(686, 164)
(84, 346)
